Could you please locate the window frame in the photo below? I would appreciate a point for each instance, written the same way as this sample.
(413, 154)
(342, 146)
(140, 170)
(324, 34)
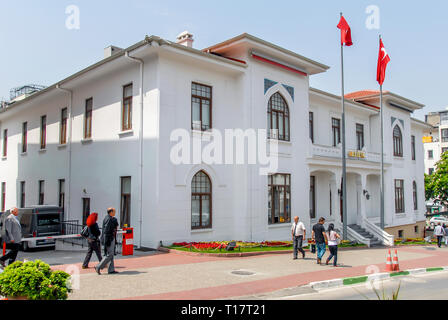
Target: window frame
(201, 99)
(63, 127)
(430, 154)
(312, 195)
(85, 213)
(5, 143)
(397, 141)
(336, 129)
(22, 194)
(360, 143)
(415, 194)
(444, 135)
(88, 118)
(286, 188)
(413, 147)
(399, 196)
(43, 132)
(201, 195)
(311, 124)
(128, 100)
(24, 137)
(61, 193)
(41, 194)
(3, 200)
(285, 135)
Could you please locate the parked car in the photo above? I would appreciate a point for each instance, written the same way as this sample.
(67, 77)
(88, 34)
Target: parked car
(38, 221)
(436, 220)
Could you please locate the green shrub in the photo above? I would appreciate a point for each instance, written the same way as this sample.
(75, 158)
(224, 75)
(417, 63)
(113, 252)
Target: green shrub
(34, 280)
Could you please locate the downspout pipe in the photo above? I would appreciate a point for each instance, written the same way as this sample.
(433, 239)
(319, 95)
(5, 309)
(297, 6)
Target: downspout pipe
(140, 136)
(70, 92)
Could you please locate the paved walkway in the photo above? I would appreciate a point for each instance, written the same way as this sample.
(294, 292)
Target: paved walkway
(173, 276)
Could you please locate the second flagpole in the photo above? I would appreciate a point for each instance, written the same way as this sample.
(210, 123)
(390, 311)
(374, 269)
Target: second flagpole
(344, 160)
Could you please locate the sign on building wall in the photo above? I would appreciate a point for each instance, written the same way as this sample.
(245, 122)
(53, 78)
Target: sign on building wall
(357, 154)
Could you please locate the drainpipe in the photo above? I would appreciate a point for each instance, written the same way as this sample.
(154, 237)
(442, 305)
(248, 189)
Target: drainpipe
(70, 92)
(140, 136)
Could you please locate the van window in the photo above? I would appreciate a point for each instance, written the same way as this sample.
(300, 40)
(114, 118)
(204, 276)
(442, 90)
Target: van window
(48, 220)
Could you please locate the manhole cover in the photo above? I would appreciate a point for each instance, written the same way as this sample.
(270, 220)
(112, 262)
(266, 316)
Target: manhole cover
(243, 273)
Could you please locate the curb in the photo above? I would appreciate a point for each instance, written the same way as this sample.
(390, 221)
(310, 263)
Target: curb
(327, 284)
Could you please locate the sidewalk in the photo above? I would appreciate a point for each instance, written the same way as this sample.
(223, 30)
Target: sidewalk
(173, 276)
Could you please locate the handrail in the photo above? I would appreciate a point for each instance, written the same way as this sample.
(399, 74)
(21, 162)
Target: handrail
(382, 235)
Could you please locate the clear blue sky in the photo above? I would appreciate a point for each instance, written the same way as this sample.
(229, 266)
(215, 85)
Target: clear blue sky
(36, 46)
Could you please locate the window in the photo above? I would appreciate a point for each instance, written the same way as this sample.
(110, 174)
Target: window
(399, 196)
(312, 197)
(43, 132)
(413, 147)
(336, 130)
(201, 201)
(63, 127)
(125, 206)
(444, 150)
(22, 194)
(400, 234)
(41, 192)
(430, 154)
(416, 229)
(312, 127)
(24, 137)
(360, 136)
(61, 197)
(331, 203)
(279, 205)
(126, 119)
(431, 171)
(3, 196)
(5, 142)
(414, 193)
(444, 135)
(201, 107)
(278, 118)
(88, 119)
(85, 210)
(398, 142)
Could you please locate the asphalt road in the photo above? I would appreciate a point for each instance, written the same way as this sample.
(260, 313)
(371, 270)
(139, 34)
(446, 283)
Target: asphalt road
(428, 286)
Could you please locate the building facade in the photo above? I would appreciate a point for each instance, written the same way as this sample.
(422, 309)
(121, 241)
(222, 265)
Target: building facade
(104, 137)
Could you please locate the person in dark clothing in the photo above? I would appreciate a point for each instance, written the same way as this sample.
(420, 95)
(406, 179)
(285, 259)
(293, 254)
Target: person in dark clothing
(108, 240)
(93, 239)
(320, 237)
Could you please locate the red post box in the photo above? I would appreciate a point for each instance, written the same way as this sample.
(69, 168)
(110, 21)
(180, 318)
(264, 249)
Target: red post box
(128, 242)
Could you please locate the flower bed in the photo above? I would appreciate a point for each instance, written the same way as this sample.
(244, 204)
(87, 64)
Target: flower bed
(411, 241)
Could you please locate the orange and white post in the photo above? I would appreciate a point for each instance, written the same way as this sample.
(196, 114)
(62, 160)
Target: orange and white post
(389, 266)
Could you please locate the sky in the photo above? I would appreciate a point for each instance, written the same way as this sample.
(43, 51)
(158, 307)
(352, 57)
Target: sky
(38, 47)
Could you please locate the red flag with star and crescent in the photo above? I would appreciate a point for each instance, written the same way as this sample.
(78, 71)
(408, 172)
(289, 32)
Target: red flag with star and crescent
(346, 32)
(383, 60)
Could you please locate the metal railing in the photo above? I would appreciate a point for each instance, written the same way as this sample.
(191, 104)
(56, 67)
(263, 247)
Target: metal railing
(73, 227)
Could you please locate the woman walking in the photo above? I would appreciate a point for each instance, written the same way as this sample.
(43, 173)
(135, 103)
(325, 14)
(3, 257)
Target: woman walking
(93, 239)
(333, 237)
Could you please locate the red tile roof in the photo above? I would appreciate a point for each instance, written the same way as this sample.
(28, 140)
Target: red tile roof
(361, 94)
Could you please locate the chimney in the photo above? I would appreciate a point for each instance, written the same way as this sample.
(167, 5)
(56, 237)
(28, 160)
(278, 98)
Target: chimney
(111, 50)
(185, 39)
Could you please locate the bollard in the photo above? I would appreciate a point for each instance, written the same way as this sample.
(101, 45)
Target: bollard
(128, 242)
(4, 247)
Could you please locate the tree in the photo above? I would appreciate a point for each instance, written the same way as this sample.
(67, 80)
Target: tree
(436, 184)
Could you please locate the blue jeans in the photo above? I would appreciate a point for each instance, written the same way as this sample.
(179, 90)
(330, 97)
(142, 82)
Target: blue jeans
(321, 248)
(333, 253)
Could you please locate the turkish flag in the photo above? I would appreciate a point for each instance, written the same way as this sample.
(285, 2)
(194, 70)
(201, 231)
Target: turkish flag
(383, 60)
(346, 32)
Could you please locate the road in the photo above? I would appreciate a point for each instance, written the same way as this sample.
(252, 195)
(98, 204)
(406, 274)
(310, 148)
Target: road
(429, 286)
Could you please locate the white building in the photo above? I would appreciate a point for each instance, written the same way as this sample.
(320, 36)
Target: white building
(435, 144)
(101, 138)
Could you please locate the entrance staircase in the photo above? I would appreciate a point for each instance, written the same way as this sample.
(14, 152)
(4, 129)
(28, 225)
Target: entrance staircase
(374, 241)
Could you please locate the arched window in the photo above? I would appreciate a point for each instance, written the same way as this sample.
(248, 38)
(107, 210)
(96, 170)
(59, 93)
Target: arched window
(201, 201)
(278, 118)
(398, 142)
(414, 193)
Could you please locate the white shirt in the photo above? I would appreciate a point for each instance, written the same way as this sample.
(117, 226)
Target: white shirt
(439, 231)
(299, 230)
(332, 239)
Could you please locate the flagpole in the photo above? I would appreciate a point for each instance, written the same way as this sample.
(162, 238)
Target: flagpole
(382, 224)
(344, 160)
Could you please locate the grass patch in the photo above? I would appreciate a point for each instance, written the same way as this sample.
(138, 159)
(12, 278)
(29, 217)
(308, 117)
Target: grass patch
(402, 273)
(434, 269)
(351, 281)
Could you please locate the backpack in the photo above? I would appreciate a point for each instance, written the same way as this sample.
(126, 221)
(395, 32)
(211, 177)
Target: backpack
(85, 232)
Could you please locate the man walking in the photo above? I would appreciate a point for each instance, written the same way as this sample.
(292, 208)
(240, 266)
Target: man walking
(13, 237)
(439, 232)
(320, 237)
(108, 240)
(298, 234)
